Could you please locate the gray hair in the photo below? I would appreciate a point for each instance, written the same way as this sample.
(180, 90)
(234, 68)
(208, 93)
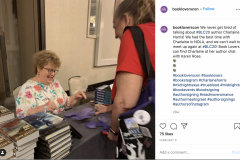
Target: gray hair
(142, 11)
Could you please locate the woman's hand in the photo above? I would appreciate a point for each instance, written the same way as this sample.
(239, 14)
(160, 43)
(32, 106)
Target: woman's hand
(101, 109)
(79, 95)
(51, 106)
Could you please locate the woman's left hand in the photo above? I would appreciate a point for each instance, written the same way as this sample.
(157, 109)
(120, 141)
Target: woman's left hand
(79, 95)
(111, 136)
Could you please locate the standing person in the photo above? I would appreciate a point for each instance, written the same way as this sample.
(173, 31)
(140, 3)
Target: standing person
(130, 76)
(43, 90)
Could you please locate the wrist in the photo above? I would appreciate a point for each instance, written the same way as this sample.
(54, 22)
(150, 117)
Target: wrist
(71, 99)
(41, 108)
(109, 108)
(74, 97)
(114, 132)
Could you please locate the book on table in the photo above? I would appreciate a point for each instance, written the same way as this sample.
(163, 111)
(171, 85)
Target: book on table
(61, 149)
(60, 155)
(55, 135)
(55, 140)
(24, 156)
(5, 114)
(7, 155)
(5, 142)
(49, 125)
(103, 95)
(75, 133)
(56, 146)
(31, 156)
(23, 152)
(19, 148)
(19, 131)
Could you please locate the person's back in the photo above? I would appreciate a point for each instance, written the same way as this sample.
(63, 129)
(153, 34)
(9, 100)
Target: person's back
(128, 57)
(134, 13)
(129, 76)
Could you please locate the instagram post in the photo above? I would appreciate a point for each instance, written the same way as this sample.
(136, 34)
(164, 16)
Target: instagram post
(197, 87)
(77, 79)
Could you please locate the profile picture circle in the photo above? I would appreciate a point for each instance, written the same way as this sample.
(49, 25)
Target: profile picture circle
(164, 29)
(2, 152)
(164, 9)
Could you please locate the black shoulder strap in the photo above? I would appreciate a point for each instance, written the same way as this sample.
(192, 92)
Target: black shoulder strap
(139, 41)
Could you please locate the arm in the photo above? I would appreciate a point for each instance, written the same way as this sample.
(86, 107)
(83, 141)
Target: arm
(102, 109)
(128, 91)
(51, 107)
(35, 110)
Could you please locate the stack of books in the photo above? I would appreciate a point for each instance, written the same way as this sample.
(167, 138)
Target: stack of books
(5, 115)
(55, 139)
(24, 137)
(7, 145)
(103, 95)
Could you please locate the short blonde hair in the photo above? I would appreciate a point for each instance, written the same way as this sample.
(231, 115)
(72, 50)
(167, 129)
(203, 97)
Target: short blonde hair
(42, 58)
(142, 11)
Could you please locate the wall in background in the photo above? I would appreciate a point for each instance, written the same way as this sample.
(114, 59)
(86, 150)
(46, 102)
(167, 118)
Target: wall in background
(28, 35)
(9, 25)
(107, 45)
(66, 28)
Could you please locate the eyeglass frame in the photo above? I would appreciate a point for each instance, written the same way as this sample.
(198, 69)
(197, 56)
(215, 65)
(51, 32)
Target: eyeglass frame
(50, 71)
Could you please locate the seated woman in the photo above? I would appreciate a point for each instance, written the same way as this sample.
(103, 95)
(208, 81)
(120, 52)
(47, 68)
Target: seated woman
(43, 90)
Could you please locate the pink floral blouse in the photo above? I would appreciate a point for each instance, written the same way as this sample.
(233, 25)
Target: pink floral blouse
(34, 94)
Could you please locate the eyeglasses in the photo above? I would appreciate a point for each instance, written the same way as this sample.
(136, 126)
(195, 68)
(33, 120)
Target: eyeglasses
(50, 71)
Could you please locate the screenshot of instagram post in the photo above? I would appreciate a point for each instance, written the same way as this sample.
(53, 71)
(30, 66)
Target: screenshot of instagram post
(77, 79)
(198, 82)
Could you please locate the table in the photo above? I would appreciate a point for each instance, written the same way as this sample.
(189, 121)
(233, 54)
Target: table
(93, 144)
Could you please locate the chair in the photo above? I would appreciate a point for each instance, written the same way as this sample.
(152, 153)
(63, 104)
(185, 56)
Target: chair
(15, 92)
(76, 84)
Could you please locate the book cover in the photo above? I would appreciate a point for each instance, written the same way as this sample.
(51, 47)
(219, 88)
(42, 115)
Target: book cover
(17, 129)
(4, 141)
(46, 123)
(4, 111)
